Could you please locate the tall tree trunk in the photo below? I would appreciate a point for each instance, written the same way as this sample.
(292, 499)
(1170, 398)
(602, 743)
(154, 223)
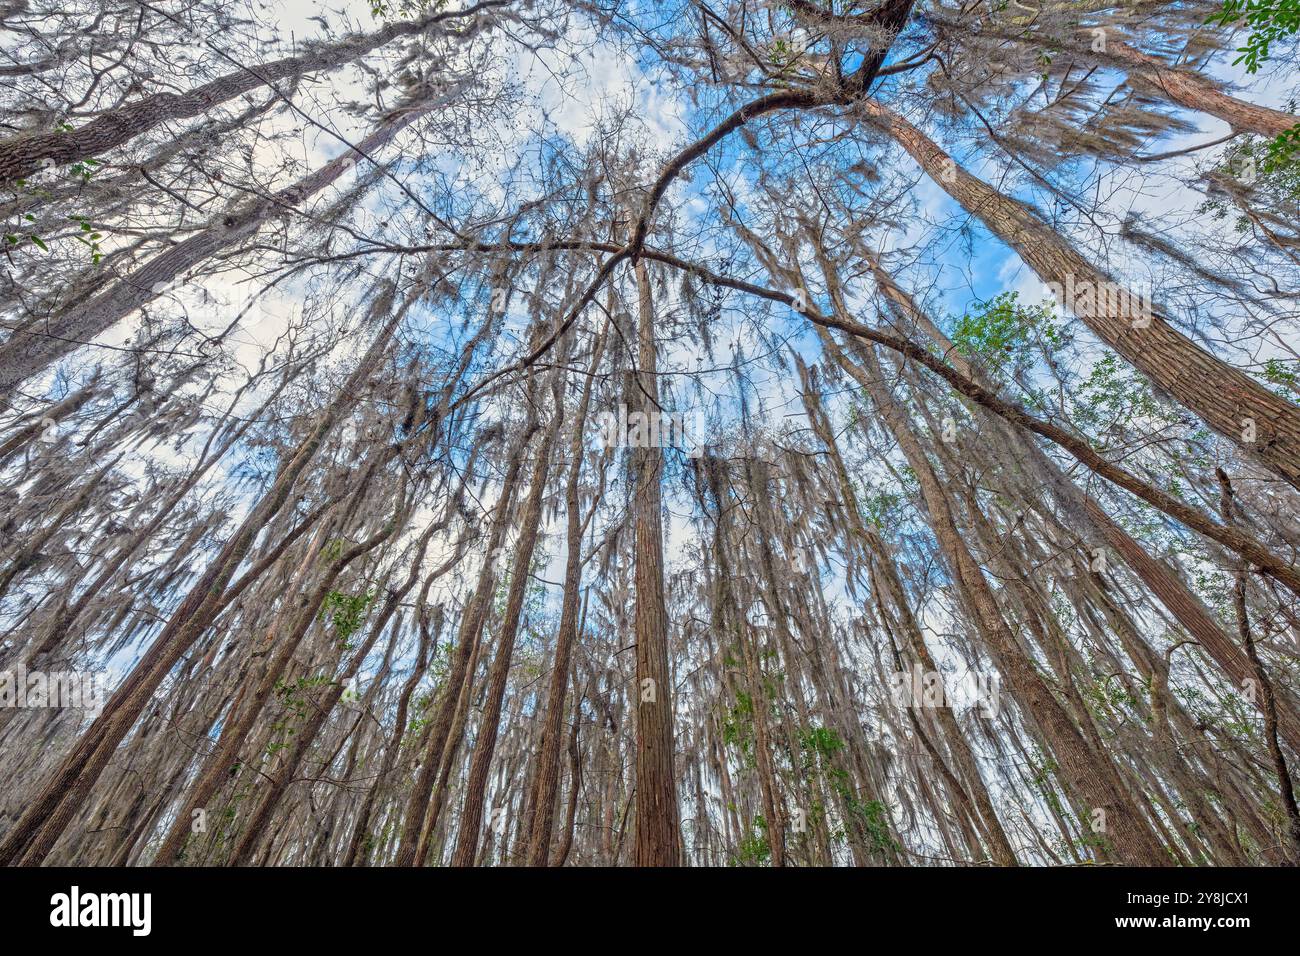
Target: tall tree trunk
(50, 812)
(299, 619)
(1089, 773)
(471, 817)
(23, 155)
(999, 844)
(1241, 409)
(575, 783)
(1290, 813)
(1196, 91)
(415, 829)
(548, 764)
(658, 832)
(1163, 582)
(28, 353)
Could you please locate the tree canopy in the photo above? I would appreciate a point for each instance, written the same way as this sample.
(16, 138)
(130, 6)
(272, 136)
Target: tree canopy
(686, 432)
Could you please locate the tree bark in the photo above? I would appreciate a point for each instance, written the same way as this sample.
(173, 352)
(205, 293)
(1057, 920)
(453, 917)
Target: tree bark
(1228, 400)
(1163, 582)
(548, 765)
(658, 832)
(471, 817)
(21, 156)
(1089, 773)
(49, 813)
(414, 843)
(31, 351)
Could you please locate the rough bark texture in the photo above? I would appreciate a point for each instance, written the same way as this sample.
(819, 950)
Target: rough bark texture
(658, 834)
(1228, 400)
(24, 155)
